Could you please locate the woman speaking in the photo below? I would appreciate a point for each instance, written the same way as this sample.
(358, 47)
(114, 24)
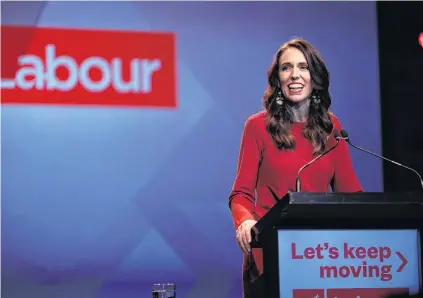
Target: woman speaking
(294, 126)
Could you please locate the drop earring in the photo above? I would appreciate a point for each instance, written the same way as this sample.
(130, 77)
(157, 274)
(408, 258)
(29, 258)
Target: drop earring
(279, 98)
(316, 99)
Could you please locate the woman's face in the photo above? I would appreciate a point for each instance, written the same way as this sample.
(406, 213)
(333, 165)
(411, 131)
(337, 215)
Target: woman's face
(294, 75)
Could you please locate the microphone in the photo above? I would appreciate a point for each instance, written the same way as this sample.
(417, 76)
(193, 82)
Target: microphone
(345, 137)
(298, 182)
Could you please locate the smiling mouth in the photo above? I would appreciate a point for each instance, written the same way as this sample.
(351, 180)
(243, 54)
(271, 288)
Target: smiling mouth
(295, 87)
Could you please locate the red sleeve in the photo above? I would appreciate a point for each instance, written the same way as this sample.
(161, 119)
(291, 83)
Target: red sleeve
(242, 196)
(345, 179)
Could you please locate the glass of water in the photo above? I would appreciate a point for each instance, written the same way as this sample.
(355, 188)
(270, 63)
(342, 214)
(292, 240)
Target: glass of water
(164, 290)
(170, 290)
(157, 291)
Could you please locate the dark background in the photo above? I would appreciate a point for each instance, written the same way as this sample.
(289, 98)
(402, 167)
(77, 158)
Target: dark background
(401, 86)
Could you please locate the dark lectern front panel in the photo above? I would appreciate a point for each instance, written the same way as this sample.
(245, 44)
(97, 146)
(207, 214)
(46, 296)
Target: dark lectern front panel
(348, 263)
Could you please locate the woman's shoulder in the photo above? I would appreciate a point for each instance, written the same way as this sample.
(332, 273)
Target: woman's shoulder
(257, 120)
(335, 121)
(260, 116)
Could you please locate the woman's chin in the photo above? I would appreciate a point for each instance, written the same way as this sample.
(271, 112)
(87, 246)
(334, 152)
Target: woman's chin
(296, 99)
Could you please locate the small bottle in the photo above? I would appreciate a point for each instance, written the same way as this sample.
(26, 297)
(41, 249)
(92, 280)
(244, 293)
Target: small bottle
(170, 290)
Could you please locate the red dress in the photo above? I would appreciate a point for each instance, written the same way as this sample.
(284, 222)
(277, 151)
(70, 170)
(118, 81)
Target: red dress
(262, 164)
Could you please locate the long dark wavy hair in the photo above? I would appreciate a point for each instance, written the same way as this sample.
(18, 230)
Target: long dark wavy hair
(279, 117)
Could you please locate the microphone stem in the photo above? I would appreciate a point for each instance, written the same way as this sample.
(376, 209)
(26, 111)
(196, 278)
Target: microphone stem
(384, 158)
(298, 182)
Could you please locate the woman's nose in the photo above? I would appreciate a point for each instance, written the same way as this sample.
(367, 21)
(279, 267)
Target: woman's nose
(295, 73)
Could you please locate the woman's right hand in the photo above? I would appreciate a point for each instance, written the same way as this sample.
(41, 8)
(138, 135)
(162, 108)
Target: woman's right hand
(243, 235)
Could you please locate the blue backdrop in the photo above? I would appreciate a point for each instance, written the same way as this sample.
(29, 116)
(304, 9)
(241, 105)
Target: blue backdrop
(103, 202)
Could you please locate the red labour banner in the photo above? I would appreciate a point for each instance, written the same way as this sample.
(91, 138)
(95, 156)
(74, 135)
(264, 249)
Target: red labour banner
(88, 67)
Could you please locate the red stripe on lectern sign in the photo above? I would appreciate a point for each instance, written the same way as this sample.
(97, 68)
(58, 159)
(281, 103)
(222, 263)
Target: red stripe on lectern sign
(364, 293)
(348, 293)
(308, 293)
(68, 66)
